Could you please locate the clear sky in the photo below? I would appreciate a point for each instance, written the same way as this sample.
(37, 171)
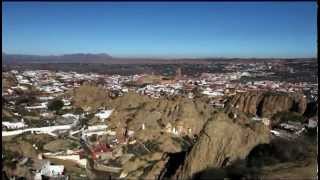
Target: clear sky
(179, 29)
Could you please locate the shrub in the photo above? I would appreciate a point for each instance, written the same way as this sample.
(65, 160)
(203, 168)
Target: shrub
(55, 105)
(285, 117)
(78, 110)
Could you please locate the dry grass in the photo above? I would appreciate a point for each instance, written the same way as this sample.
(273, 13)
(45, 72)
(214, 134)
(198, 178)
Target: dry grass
(90, 96)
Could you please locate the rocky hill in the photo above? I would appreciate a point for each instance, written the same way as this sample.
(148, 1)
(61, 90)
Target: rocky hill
(215, 147)
(89, 97)
(134, 110)
(221, 143)
(162, 126)
(267, 104)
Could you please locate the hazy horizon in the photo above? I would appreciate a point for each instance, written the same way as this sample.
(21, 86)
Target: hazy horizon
(159, 57)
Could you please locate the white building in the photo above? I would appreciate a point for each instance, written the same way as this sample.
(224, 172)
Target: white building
(102, 115)
(14, 125)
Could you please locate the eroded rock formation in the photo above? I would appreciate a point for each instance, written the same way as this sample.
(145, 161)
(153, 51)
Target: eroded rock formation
(185, 115)
(220, 143)
(266, 104)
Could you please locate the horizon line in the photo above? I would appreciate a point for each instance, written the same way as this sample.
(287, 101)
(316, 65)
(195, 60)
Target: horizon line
(158, 56)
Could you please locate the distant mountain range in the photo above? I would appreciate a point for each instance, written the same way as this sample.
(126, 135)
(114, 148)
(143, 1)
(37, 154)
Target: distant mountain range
(91, 58)
(107, 59)
(67, 58)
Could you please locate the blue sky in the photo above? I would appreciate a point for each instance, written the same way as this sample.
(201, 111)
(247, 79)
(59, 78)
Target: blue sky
(179, 29)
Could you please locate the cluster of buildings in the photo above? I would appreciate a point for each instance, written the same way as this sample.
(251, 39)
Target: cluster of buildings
(211, 84)
(158, 90)
(291, 130)
(49, 85)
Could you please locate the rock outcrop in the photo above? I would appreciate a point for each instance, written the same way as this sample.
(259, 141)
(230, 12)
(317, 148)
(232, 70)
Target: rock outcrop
(220, 143)
(90, 97)
(59, 145)
(145, 167)
(266, 104)
(21, 148)
(185, 115)
(245, 102)
(8, 80)
(132, 110)
(159, 126)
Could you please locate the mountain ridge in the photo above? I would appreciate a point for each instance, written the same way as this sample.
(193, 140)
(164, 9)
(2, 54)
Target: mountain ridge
(106, 58)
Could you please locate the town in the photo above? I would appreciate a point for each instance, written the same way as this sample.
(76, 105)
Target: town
(66, 124)
(158, 91)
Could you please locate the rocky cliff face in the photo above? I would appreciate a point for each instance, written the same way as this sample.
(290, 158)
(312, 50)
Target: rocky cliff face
(220, 143)
(266, 104)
